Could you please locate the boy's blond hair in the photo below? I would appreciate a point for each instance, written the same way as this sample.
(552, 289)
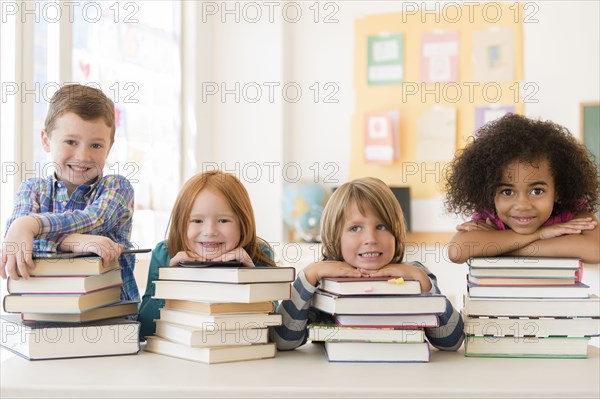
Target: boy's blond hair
(237, 198)
(86, 102)
(368, 193)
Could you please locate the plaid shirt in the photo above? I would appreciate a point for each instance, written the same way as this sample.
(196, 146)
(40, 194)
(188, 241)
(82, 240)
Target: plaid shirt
(103, 208)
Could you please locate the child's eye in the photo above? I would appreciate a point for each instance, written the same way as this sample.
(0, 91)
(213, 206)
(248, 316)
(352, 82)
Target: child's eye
(506, 192)
(355, 229)
(224, 220)
(71, 142)
(381, 227)
(97, 146)
(196, 221)
(537, 191)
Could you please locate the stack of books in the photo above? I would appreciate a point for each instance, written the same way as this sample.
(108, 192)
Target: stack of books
(219, 312)
(528, 307)
(69, 307)
(375, 319)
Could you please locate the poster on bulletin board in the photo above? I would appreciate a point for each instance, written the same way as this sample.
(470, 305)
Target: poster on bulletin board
(385, 59)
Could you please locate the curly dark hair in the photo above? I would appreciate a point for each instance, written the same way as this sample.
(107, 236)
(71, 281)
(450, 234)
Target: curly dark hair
(471, 178)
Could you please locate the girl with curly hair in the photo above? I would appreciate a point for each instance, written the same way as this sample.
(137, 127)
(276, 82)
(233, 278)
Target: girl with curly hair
(530, 188)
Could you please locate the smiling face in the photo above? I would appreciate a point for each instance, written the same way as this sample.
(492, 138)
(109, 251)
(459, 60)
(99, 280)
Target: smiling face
(78, 149)
(366, 242)
(213, 227)
(525, 196)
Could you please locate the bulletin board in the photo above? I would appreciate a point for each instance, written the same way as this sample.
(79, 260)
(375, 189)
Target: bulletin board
(465, 94)
(590, 130)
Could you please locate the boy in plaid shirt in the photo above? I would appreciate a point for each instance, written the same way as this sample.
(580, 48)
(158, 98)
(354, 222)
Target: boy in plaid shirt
(76, 209)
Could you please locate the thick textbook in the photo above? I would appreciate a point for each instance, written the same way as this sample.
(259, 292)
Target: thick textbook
(370, 286)
(195, 337)
(522, 273)
(221, 292)
(60, 303)
(377, 352)
(527, 262)
(65, 284)
(220, 354)
(332, 332)
(225, 321)
(578, 290)
(220, 307)
(119, 309)
(387, 320)
(259, 274)
(556, 307)
(520, 281)
(68, 264)
(37, 341)
(531, 326)
(558, 347)
(379, 304)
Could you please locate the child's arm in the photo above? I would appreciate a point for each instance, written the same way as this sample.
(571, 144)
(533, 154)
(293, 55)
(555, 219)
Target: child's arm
(111, 207)
(477, 239)
(449, 335)
(584, 244)
(100, 245)
(149, 309)
(295, 311)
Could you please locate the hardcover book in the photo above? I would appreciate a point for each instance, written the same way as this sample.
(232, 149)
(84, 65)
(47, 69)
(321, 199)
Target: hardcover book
(220, 307)
(528, 262)
(212, 322)
(559, 347)
(520, 281)
(119, 309)
(37, 341)
(370, 286)
(65, 284)
(554, 307)
(531, 326)
(195, 337)
(379, 304)
(69, 264)
(210, 355)
(377, 352)
(60, 303)
(242, 274)
(522, 273)
(221, 292)
(578, 290)
(334, 333)
(387, 320)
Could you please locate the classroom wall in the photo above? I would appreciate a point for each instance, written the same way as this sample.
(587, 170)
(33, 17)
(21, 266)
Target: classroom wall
(561, 61)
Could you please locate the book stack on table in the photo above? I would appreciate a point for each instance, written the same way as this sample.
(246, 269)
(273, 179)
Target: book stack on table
(218, 312)
(69, 307)
(375, 319)
(528, 307)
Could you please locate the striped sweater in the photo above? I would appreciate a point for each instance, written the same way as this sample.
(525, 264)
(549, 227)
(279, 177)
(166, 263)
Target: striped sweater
(297, 313)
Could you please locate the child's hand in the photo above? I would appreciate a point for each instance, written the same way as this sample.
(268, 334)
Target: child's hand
(17, 248)
(574, 226)
(473, 225)
(182, 256)
(102, 246)
(405, 271)
(238, 254)
(315, 272)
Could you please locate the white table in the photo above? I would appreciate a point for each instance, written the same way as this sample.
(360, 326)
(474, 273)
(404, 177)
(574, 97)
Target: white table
(302, 373)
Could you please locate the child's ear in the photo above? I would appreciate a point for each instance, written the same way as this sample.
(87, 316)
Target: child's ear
(45, 141)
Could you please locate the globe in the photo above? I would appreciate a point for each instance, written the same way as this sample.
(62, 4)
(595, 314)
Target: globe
(308, 224)
(303, 204)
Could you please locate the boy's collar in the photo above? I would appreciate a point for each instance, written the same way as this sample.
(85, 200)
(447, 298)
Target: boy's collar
(86, 186)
